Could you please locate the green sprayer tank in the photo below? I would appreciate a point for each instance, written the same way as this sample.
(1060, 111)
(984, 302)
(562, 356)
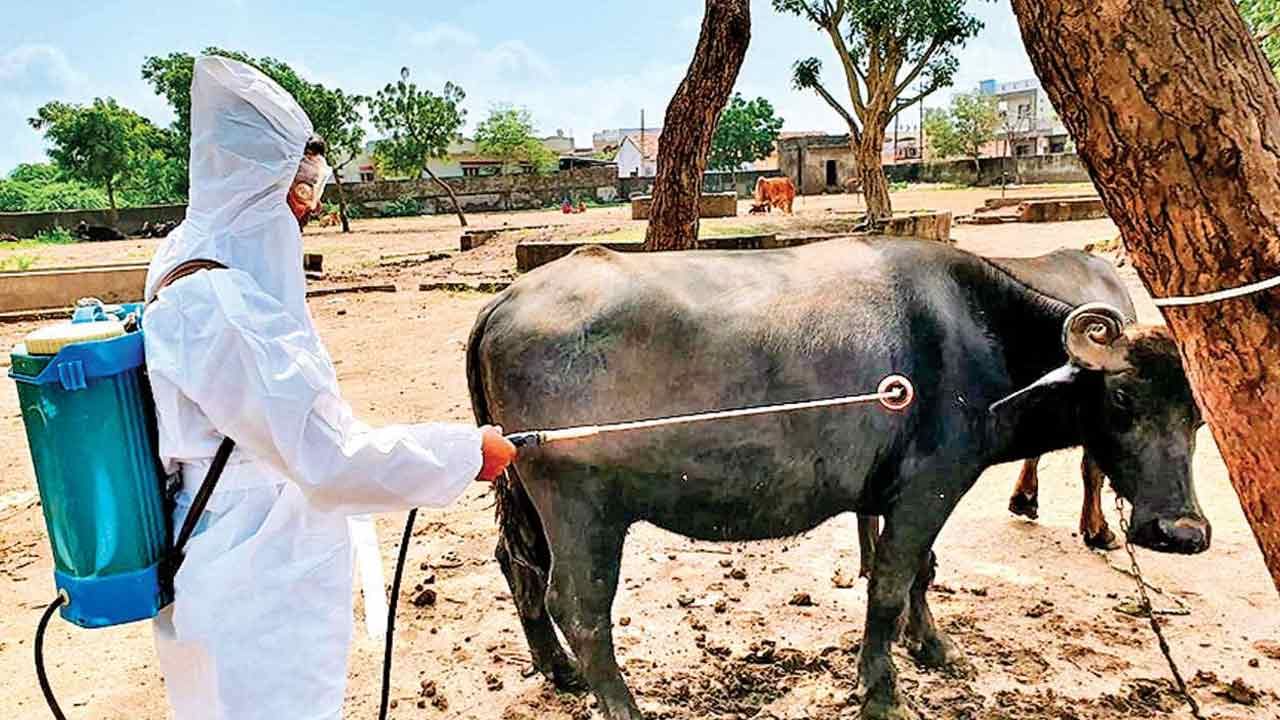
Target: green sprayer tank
(86, 404)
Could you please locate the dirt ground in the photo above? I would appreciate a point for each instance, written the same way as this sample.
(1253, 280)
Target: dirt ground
(1037, 613)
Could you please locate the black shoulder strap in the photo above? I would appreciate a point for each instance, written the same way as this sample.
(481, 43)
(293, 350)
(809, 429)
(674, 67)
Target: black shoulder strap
(201, 500)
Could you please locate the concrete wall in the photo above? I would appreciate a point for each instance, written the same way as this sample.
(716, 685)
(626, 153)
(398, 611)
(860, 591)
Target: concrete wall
(25, 225)
(488, 193)
(710, 205)
(712, 182)
(1061, 168)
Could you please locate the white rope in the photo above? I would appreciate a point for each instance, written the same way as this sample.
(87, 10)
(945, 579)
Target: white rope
(1220, 295)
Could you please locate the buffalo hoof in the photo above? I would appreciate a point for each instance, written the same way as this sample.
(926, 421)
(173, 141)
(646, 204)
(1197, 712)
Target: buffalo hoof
(941, 653)
(1027, 506)
(566, 677)
(893, 709)
(1104, 539)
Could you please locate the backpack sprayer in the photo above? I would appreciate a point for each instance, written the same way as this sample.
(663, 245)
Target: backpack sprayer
(108, 505)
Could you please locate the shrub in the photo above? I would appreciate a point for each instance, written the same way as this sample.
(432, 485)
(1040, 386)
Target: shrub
(403, 207)
(56, 236)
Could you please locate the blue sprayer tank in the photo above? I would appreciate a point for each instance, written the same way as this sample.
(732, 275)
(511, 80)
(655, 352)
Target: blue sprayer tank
(86, 404)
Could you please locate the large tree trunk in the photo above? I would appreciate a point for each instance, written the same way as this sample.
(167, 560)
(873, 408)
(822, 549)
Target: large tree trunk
(1176, 114)
(875, 187)
(691, 122)
(342, 201)
(457, 208)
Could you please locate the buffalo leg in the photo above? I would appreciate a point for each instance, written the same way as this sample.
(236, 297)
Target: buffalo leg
(1026, 495)
(1093, 524)
(584, 580)
(868, 535)
(904, 548)
(529, 590)
(929, 645)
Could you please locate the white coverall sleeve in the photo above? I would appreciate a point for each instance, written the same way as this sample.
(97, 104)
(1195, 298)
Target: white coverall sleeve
(263, 379)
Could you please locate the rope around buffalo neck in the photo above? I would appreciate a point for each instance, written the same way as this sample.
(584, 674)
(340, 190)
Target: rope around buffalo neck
(1220, 295)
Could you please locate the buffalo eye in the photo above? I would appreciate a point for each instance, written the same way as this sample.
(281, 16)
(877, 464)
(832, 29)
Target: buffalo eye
(1121, 399)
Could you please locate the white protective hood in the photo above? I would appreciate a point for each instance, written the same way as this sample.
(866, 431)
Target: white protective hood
(247, 138)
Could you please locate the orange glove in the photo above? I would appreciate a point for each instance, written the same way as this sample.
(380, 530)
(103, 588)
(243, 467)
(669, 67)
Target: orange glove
(498, 453)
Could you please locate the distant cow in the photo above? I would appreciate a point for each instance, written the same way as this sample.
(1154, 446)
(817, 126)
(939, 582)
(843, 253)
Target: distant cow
(777, 192)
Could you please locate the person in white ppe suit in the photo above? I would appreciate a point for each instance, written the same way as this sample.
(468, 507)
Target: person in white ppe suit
(262, 619)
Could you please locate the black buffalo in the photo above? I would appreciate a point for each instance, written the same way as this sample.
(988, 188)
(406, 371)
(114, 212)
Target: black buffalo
(1004, 370)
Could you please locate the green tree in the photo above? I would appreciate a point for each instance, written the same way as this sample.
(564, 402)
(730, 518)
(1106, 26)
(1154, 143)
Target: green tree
(887, 49)
(419, 126)
(746, 132)
(337, 118)
(1263, 17)
(101, 143)
(508, 135)
(969, 124)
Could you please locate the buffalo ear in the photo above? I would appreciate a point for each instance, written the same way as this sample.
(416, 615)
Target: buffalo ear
(1049, 389)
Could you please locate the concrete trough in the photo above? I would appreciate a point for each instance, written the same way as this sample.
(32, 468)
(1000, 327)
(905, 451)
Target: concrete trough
(62, 287)
(1039, 211)
(710, 205)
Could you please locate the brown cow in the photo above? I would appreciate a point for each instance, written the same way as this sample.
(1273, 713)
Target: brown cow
(777, 192)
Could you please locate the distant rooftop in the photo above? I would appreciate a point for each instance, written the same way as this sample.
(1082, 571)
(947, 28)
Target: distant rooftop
(991, 87)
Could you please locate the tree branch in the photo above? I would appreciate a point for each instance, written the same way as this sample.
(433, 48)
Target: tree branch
(835, 105)
(934, 47)
(851, 73)
(904, 104)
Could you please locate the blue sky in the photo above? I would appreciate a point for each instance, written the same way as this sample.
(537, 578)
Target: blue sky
(578, 65)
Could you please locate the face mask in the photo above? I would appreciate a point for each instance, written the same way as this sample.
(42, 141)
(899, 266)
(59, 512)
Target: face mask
(308, 187)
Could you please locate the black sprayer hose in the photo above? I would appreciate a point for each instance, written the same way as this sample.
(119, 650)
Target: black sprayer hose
(49, 699)
(391, 613)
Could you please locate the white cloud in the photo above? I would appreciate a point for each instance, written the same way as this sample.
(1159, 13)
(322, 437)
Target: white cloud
(515, 58)
(443, 36)
(37, 69)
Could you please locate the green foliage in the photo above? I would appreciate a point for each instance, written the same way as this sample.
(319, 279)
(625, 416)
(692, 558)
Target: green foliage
(507, 134)
(1263, 17)
(885, 47)
(403, 207)
(37, 173)
(970, 123)
(418, 124)
(56, 236)
(101, 144)
(745, 133)
(20, 262)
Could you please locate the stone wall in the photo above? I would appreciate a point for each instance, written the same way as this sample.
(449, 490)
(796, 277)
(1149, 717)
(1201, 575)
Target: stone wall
(487, 193)
(29, 224)
(1060, 168)
(712, 182)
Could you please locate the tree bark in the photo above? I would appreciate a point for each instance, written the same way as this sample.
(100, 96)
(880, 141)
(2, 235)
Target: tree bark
(875, 186)
(342, 200)
(1176, 114)
(457, 208)
(691, 122)
(113, 215)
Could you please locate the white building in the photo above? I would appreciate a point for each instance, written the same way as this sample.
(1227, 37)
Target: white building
(1028, 123)
(638, 155)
